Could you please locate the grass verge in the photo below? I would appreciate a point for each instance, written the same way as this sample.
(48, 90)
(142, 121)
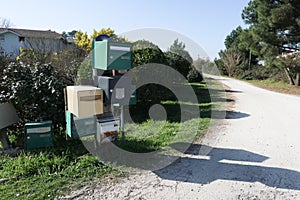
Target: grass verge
(47, 173)
(276, 86)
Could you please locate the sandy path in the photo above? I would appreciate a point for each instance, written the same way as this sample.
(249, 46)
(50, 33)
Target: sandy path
(256, 155)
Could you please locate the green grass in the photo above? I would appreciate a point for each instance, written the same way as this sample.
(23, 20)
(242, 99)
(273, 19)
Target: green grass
(150, 135)
(48, 173)
(45, 174)
(277, 86)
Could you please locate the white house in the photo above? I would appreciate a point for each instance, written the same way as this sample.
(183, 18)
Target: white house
(11, 40)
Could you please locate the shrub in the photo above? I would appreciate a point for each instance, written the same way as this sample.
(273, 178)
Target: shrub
(221, 67)
(36, 91)
(258, 72)
(85, 70)
(145, 52)
(179, 63)
(194, 76)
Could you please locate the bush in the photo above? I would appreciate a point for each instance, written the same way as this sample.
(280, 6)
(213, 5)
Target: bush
(194, 76)
(67, 62)
(36, 91)
(145, 52)
(4, 61)
(258, 72)
(221, 67)
(179, 63)
(85, 71)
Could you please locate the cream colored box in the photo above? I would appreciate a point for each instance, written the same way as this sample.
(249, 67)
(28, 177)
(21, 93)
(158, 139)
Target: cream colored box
(85, 101)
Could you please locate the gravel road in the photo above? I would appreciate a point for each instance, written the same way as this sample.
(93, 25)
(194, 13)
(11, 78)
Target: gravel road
(254, 154)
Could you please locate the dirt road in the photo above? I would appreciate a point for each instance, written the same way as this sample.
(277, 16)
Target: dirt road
(255, 154)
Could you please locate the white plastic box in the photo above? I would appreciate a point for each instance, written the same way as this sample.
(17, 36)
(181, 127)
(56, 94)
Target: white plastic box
(85, 101)
(108, 130)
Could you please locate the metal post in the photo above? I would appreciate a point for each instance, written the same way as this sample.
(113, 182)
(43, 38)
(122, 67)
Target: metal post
(95, 77)
(122, 123)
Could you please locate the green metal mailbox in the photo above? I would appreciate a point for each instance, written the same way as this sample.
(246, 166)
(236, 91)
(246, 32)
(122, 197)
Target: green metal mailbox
(38, 134)
(112, 55)
(80, 127)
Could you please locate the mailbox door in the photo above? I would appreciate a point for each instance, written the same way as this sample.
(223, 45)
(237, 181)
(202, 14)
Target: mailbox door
(38, 135)
(119, 56)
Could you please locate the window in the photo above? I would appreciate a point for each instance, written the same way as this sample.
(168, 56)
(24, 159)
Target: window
(21, 39)
(2, 38)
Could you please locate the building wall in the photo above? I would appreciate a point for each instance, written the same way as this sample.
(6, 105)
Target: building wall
(9, 44)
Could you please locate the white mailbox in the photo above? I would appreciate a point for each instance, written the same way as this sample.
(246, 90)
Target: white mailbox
(85, 101)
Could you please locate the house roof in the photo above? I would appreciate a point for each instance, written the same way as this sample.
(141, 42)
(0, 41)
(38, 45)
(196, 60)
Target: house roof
(32, 33)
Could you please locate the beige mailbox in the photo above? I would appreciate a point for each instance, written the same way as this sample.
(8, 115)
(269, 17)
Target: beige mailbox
(85, 101)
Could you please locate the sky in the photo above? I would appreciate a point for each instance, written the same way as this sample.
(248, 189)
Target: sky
(205, 22)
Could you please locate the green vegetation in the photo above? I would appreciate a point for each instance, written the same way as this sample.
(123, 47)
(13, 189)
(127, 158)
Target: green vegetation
(178, 58)
(45, 174)
(36, 91)
(277, 86)
(148, 135)
(271, 36)
(85, 42)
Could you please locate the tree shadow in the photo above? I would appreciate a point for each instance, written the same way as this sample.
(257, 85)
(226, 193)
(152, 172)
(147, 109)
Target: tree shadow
(223, 114)
(218, 166)
(233, 91)
(220, 99)
(225, 90)
(235, 115)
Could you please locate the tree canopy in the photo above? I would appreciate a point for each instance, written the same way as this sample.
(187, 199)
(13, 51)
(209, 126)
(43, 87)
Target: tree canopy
(85, 42)
(274, 24)
(275, 29)
(272, 34)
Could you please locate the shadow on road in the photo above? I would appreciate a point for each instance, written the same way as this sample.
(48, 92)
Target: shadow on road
(233, 91)
(221, 166)
(223, 114)
(225, 90)
(235, 115)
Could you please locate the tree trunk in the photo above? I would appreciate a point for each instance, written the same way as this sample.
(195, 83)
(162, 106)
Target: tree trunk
(289, 76)
(298, 79)
(4, 140)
